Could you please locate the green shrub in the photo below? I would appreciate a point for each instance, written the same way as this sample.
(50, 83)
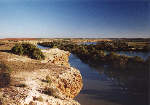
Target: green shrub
(17, 49)
(28, 49)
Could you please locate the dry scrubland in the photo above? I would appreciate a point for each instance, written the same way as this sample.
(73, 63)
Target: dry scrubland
(38, 82)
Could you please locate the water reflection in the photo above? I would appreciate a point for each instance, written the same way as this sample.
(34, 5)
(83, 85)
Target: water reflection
(87, 43)
(135, 81)
(104, 85)
(130, 80)
(41, 47)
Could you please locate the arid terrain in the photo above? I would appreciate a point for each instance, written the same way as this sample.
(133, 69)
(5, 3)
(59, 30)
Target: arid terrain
(39, 82)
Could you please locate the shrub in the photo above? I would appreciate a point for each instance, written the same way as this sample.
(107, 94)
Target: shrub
(37, 54)
(17, 49)
(101, 54)
(28, 49)
(112, 56)
(136, 59)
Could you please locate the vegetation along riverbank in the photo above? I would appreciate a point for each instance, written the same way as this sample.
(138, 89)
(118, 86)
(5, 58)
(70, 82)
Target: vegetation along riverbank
(119, 67)
(97, 54)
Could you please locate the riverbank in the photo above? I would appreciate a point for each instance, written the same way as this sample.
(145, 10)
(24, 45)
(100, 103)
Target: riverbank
(93, 55)
(119, 84)
(102, 84)
(39, 82)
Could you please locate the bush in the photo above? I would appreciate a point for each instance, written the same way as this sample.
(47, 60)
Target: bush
(4, 75)
(101, 54)
(17, 49)
(136, 59)
(135, 63)
(112, 56)
(28, 49)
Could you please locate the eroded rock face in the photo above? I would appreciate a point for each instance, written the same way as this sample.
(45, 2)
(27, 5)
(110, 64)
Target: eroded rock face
(67, 84)
(56, 56)
(36, 83)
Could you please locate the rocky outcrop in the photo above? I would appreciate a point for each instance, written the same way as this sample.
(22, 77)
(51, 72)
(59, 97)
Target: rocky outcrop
(45, 82)
(67, 85)
(56, 56)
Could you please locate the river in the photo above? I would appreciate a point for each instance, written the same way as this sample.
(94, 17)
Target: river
(101, 88)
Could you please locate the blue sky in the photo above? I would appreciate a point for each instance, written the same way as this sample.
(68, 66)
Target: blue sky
(79, 18)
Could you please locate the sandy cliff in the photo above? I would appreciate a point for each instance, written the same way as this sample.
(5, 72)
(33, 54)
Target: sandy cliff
(48, 82)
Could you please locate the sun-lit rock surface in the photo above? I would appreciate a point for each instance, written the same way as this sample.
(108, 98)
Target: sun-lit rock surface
(56, 56)
(44, 82)
(32, 87)
(68, 83)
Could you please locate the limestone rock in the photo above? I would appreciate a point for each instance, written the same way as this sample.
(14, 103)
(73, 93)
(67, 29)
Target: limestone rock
(56, 56)
(67, 84)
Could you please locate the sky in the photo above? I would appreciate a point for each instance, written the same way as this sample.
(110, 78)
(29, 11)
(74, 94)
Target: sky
(75, 18)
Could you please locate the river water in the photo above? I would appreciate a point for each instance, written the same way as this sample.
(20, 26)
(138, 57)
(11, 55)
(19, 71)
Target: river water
(101, 88)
